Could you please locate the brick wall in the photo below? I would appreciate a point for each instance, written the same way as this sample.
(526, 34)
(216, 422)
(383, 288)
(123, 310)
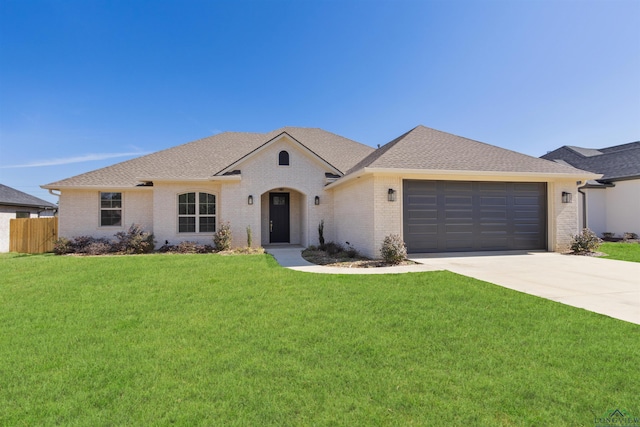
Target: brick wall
(79, 212)
(354, 211)
(563, 218)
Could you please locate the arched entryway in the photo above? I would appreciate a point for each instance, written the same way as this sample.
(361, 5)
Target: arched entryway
(283, 215)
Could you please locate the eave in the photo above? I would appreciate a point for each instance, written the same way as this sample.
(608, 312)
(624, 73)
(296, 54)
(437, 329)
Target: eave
(465, 175)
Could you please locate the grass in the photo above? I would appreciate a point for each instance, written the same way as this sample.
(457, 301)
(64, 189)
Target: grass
(621, 251)
(213, 340)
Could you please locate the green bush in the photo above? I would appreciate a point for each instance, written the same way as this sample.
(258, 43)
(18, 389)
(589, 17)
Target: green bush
(585, 242)
(222, 237)
(393, 249)
(629, 236)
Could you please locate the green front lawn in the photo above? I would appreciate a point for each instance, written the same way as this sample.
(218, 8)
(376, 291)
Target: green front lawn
(621, 251)
(237, 340)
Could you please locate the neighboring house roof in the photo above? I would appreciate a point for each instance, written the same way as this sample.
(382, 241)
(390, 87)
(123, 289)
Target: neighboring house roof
(423, 148)
(12, 197)
(614, 163)
(208, 157)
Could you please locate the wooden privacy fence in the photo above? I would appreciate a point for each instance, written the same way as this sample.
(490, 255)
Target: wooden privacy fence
(33, 235)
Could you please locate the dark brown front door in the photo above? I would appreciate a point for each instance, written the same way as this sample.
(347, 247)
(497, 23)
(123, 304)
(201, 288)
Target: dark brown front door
(279, 218)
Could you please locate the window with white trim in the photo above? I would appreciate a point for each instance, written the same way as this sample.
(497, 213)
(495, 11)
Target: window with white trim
(196, 213)
(110, 209)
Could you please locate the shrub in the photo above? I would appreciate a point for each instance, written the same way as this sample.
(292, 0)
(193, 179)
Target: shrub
(393, 249)
(351, 251)
(587, 241)
(249, 236)
(134, 241)
(222, 237)
(63, 246)
(167, 247)
(333, 248)
(188, 247)
(608, 235)
(629, 236)
(99, 247)
(321, 234)
(87, 244)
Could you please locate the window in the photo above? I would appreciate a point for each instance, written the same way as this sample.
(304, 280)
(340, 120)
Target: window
(283, 158)
(23, 215)
(110, 209)
(196, 217)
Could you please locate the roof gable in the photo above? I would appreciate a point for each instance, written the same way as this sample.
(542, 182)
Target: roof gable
(424, 148)
(283, 135)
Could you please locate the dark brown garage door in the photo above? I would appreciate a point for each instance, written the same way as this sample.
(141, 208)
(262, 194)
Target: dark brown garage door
(456, 216)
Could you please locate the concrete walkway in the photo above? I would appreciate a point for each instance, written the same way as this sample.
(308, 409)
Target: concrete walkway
(603, 286)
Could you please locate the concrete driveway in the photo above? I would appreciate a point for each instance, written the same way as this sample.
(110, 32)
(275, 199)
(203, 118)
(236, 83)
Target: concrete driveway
(604, 286)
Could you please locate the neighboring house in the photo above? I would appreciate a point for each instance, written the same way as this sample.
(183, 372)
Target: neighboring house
(440, 192)
(16, 204)
(611, 203)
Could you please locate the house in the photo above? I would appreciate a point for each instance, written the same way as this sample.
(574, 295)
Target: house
(16, 204)
(612, 202)
(439, 191)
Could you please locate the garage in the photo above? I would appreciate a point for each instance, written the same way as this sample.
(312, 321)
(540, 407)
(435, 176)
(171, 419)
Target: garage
(459, 216)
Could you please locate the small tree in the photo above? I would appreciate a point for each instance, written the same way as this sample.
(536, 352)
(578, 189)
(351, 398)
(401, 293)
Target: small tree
(321, 234)
(585, 242)
(393, 249)
(222, 237)
(249, 236)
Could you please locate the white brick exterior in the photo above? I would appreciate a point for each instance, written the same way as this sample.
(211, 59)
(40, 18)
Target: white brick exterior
(563, 217)
(365, 216)
(356, 211)
(79, 212)
(156, 207)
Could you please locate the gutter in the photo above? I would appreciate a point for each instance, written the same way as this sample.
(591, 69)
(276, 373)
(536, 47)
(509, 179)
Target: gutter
(470, 175)
(584, 206)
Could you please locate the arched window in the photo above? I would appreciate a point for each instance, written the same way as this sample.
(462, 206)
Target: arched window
(196, 213)
(283, 158)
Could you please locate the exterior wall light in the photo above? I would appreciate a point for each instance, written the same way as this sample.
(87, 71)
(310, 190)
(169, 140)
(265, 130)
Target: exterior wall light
(566, 197)
(391, 195)
(250, 200)
(317, 200)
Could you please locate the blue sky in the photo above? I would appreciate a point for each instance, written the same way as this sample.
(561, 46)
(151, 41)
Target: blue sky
(85, 84)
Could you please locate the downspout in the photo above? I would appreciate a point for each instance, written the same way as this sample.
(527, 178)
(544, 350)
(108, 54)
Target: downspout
(584, 207)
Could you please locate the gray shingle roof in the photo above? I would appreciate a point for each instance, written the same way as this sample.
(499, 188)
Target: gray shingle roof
(13, 197)
(209, 156)
(420, 148)
(617, 162)
(430, 149)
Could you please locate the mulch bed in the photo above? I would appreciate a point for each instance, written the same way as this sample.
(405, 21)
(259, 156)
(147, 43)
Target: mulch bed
(341, 259)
